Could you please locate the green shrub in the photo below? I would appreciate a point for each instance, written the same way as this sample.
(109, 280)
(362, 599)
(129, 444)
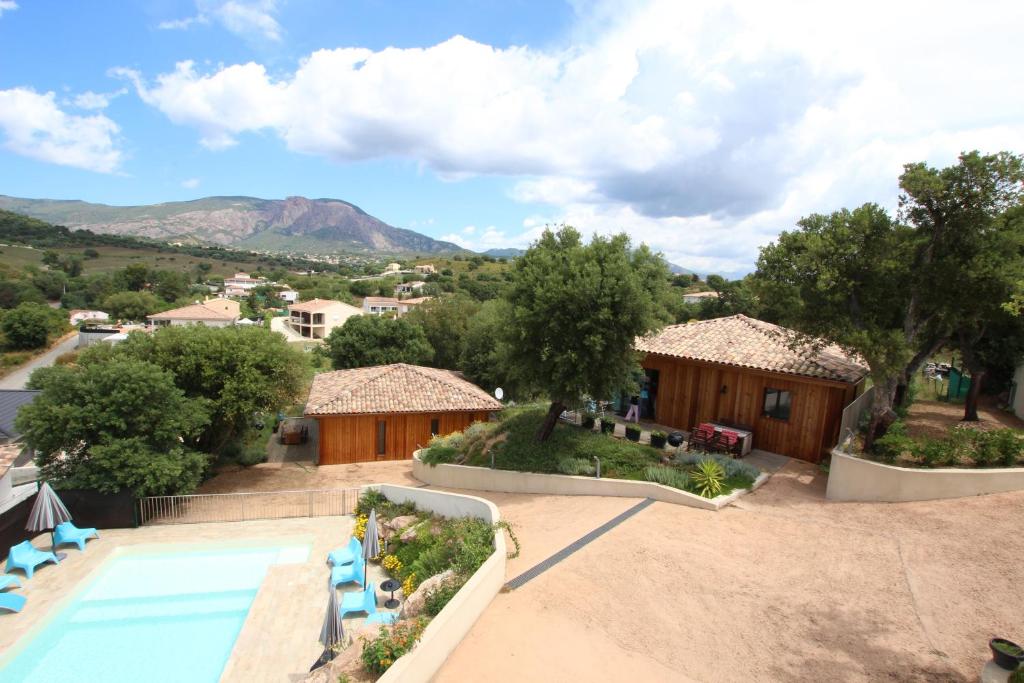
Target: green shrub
(1017, 676)
(439, 454)
(999, 447)
(669, 476)
(732, 466)
(707, 479)
(375, 500)
(435, 599)
(658, 435)
(632, 429)
(576, 467)
(935, 452)
(894, 444)
(391, 643)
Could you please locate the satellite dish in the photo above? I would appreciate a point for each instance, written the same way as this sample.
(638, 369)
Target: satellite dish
(498, 393)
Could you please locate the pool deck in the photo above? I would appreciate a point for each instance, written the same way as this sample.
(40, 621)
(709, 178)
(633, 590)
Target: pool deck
(278, 641)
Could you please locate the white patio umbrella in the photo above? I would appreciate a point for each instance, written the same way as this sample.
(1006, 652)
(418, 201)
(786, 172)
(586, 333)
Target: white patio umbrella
(47, 512)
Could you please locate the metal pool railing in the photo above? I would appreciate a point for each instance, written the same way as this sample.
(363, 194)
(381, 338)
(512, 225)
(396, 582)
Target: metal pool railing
(241, 507)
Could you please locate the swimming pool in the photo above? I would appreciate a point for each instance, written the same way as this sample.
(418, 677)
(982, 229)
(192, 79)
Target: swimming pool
(153, 617)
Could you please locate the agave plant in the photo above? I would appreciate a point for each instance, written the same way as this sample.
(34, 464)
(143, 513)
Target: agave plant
(707, 478)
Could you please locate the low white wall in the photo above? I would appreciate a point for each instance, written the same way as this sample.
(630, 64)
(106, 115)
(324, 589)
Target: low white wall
(450, 626)
(507, 481)
(856, 479)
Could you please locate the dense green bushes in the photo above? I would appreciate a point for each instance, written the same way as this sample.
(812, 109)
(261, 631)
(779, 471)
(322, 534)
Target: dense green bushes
(961, 447)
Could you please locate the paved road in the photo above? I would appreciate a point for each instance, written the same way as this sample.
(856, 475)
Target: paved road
(18, 378)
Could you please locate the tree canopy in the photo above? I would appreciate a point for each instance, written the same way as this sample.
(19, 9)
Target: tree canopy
(575, 311)
(445, 321)
(366, 340)
(114, 425)
(30, 325)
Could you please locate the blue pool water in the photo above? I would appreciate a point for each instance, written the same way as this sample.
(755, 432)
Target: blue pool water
(172, 617)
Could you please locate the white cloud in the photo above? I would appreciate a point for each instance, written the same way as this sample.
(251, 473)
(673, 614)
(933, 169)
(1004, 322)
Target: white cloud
(97, 100)
(706, 125)
(34, 126)
(190, 183)
(7, 6)
(252, 18)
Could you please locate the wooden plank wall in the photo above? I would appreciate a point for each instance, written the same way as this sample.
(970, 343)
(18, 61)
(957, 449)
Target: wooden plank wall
(353, 438)
(690, 393)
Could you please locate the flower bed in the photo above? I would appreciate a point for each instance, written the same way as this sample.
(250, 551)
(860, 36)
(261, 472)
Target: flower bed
(961, 447)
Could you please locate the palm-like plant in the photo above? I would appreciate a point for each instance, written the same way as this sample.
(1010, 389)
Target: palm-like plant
(707, 478)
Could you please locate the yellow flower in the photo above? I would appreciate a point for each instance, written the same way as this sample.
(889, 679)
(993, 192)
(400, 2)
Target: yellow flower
(409, 585)
(360, 530)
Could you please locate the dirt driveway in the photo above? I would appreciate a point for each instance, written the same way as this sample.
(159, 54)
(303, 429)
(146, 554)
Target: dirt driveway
(782, 586)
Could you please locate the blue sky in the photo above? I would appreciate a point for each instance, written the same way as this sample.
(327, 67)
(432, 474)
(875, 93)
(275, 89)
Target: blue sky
(703, 128)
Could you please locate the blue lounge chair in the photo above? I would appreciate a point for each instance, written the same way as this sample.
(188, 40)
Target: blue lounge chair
(347, 554)
(12, 601)
(26, 557)
(358, 601)
(382, 618)
(66, 532)
(349, 572)
(8, 580)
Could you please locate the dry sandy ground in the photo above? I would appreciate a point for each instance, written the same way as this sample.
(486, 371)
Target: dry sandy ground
(783, 586)
(934, 418)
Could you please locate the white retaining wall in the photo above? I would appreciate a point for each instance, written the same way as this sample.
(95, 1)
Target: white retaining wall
(507, 481)
(856, 479)
(450, 626)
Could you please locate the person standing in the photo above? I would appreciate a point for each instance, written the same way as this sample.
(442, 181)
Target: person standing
(634, 409)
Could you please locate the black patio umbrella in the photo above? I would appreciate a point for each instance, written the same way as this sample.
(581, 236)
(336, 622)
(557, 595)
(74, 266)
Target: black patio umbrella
(47, 512)
(332, 634)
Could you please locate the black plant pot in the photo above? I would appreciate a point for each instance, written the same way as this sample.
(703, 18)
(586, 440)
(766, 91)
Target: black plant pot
(632, 436)
(607, 427)
(658, 441)
(1003, 659)
(587, 423)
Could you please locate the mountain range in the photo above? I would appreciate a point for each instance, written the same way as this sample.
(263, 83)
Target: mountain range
(295, 224)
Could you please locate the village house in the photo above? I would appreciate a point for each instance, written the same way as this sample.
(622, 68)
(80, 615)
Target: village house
(425, 269)
(379, 305)
(697, 297)
(316, 318)
(242, 282)
(211, 313)
(745, 373)
(409, 287)
(386, 412)
(78, 315)
(13, 451)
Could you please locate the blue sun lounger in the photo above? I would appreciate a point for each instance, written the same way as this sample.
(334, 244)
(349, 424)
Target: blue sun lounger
(8, 580)
(26, 557)
(12, 601)
(382, 618)
(349, 572)
(358, 601)
(346, 554)
(66, 532)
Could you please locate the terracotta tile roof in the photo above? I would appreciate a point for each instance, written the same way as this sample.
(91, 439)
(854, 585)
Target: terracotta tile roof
(8, 455)
(416, 300)
(747, 343)
(397, 388)
(193, 312)
(314, 305)
(377, 300)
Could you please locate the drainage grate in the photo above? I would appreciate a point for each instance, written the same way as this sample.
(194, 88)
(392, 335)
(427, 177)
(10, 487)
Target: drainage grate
(538, 569)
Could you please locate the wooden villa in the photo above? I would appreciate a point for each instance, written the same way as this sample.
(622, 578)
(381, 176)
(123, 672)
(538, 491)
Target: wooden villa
(386, 412)
(748, 373)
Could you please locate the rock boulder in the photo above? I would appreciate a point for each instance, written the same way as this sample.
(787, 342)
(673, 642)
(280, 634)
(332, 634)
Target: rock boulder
(414, 603)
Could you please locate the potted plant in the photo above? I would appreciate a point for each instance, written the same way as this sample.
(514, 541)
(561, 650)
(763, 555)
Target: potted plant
(607, 425)
(587, 421)
(658, 439)
(1008, 655)
(632, 432)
